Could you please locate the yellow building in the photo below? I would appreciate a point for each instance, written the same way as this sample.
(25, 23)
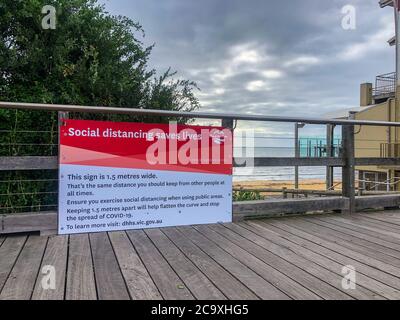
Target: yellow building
(378, 103)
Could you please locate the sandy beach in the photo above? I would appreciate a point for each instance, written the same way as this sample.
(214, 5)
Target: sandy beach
(304, 184)
(310, 184)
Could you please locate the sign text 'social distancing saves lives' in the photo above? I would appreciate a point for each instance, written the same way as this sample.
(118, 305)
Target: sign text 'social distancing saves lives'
(119, 176)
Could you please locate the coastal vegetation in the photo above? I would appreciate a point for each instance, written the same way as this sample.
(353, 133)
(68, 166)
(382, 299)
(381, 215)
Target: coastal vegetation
(91, 58)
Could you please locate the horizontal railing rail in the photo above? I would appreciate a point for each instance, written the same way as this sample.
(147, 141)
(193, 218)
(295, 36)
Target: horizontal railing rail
(197, 115)
(18, 163)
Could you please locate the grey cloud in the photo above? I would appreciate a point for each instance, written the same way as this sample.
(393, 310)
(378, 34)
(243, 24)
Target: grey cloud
(302, 39)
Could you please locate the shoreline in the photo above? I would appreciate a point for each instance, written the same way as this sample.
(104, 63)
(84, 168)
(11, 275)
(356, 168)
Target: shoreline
(304, 184)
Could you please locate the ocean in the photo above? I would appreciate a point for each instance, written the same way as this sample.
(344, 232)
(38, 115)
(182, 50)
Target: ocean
(282, 174)
(283, 147)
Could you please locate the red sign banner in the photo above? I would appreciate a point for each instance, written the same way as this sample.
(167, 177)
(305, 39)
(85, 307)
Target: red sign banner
(120, 176)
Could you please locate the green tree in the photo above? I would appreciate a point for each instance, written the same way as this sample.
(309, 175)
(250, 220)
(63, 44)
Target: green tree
(91, 58)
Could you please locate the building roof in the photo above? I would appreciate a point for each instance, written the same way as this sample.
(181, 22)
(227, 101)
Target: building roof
(385, 3)
(344, 113)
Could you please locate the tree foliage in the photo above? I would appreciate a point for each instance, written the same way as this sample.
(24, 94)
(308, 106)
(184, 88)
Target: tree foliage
(92, 58)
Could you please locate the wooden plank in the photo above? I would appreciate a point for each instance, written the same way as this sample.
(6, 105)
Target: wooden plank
(290, 287)
(365, 228)
(21, 281)
(168, 283)
(362, 222)
(80, 275)
(380, 225)
(248, 277)
(327, 259)
(394, 214)
(9, 253)
(387, 213)
(348, 170)
(223, 280)
(305, 240)
(375, 289)
(309, 274)
(386, 223)
(200, 286)
(28, 222)
(384, 216)
(366, 240)
(28, 163)
(344, 250)
(55, 255)
(379, 201)
(138, 280)
(281, 206)
(109, 281)
(386, 220)
(337, 238)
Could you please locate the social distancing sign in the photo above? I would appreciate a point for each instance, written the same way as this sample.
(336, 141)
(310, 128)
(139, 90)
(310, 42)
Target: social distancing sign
(119, 176)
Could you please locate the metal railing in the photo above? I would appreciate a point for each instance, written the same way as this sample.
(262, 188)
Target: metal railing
(390, 150)
(385, 85)
(346, 160)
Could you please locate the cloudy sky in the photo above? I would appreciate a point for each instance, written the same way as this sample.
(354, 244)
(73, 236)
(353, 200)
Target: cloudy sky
(267, 57)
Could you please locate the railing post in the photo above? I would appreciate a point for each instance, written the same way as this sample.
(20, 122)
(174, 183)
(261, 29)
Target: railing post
(227, 123)
(348, 171)
(329, 153)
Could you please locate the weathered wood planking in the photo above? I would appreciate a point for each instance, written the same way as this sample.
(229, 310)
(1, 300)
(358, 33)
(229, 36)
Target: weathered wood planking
(343, 250)
(230, 286)
(46, 222)
(256, 245)
(317, 245)
(56, 256)
(286, 258)
(80, 275)
(375, 289)
(390, 224)
(281, 206)
(290, 287)
(21, 281)
(385, 220)
(262, 288)
(391, 214)
(366, 240)
(15, 223)
(333, 276)
(28, 163)
(380, 201)
(378, 234)
(167, 281)
(339, 238)
(201, 287)
(138, 281)
(371, 228)
(9, 253)
(109, 280)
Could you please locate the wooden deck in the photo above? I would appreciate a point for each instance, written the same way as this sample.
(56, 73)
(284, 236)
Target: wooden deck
(282, 258)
